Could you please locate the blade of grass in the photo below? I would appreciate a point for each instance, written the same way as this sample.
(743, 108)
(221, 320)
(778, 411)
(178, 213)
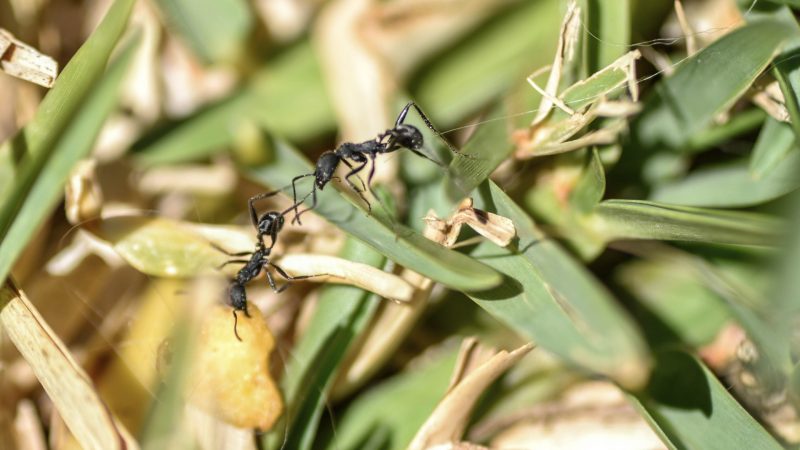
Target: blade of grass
(21, 158)
(342, 313)
(394, 240)
(690, 409)
(634, 219)
(550, 298)
(609, 22)
(732, 185)
(389, 415)
(774, 142)
(215, 29)
(66, 384)
(27, 206)
(686, 102)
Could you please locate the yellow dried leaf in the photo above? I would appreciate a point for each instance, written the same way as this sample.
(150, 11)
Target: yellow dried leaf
(230, 378)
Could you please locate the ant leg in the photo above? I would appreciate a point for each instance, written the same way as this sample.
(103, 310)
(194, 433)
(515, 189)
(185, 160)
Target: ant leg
(350, 166)
(294, 195)
(313, 205)
(286, 276)
(430, 126)
(272, 283)
(233, 261)
(360, 193)
(220, 249)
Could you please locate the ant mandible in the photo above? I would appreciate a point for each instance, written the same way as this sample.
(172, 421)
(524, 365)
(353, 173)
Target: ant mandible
(356, 156)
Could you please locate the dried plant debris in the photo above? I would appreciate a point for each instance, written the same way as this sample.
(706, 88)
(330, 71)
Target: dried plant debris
(476, 368)
(591, 415)
(493, 227)
(231, 378)
(23, 61)
(83, 198)
(331, 269)
(561, 116)
(65, 382)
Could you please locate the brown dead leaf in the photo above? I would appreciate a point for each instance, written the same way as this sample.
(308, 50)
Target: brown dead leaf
(493, 227)
(65, 382)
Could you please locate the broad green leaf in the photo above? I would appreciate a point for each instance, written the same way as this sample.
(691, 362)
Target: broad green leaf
(687, 102)
(389, 415)
(732, 184)
(216, 30)
(634, 219)
(286, 96)
(793, 3)
(785, 297)
(690, 409)
(27, 206)
(550, 298)
(392, 239)
(342, 313)
(774, 142)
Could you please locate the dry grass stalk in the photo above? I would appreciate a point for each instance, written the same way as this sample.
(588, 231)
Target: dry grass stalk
(63, 379)
(475, 370)
(338, 270)
(23, 61)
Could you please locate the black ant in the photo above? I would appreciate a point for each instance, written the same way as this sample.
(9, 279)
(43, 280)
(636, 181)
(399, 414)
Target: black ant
(356, 156)
(269, 224)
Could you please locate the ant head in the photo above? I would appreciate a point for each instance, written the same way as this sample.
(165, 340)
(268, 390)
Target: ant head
(326, 166)
(270, 223)
(407, 136)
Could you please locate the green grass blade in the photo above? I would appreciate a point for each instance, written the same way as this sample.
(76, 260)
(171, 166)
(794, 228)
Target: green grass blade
(634, 219)
(287, 96)
(488, 147)
(76, 141)
(22, 157)
(609, 22)
(483, 66)
(215, 29)
(550, 298)
(394, 240)
(774, 142)
(342, 313)
(732, 185)
(389, 415)
(686, 102)
(691, 409)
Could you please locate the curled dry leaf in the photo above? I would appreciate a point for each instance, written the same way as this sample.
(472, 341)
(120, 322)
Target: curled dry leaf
(230, 378)
(476, 369)
(67, 385)
(23, 61)
(83, 199)
(497, 229)
(337, 270)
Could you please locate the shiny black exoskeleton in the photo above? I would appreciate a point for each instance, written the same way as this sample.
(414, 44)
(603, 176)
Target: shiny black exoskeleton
(268, 224)
(356, 156)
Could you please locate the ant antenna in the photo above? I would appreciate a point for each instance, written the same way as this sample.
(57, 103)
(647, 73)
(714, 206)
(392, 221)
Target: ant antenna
(402, 116)
(236, 324)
